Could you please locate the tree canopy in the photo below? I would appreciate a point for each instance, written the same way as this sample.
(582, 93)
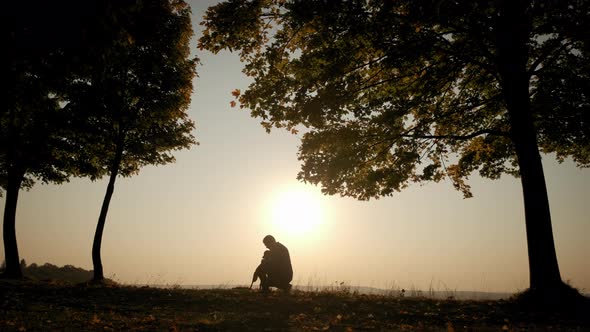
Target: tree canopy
(136, 94)
(32, 120)
(395, 92)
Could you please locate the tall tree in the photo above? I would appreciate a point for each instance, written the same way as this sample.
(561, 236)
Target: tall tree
(34, 125)
(396, 92)
(134, 99)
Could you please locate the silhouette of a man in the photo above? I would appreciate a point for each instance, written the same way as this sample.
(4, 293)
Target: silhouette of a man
(276, 266)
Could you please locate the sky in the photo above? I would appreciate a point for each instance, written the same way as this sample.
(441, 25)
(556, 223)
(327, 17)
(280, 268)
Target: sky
(201, 220)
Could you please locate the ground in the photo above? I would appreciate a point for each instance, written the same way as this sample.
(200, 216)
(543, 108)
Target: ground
(50, 306)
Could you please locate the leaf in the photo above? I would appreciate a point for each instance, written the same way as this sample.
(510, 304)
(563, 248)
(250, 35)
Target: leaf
(236, 93)
(450, 327)
(95, 319)
(232, 103)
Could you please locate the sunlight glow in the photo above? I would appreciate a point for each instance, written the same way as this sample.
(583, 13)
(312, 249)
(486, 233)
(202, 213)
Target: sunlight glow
(297, 211)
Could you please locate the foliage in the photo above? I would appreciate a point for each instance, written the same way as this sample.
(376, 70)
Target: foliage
(396, 92)
(134, 99)
(33, 124)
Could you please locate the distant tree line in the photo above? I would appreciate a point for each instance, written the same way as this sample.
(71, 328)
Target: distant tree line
(91, 89)
(50, 272)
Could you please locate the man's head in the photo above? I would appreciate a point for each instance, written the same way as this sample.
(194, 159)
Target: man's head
(269, 241)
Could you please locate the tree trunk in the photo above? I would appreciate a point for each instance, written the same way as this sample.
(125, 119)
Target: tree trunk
(96, 245)
(13, 270)
(512, 33)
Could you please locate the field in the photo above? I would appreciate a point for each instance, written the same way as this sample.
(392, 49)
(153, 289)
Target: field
(47, 306)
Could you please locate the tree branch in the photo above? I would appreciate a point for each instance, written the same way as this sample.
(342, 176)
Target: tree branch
(465, 57)
(545, 56)
(461, 137)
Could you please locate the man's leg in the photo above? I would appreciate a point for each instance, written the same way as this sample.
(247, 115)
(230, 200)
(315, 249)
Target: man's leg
(264, 282)
(280, 283)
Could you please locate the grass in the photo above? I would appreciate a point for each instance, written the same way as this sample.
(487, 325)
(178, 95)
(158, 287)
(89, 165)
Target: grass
(51, 306)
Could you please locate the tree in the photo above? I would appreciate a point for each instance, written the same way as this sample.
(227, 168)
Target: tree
(134, 99)
(400, 92)
(34, 125)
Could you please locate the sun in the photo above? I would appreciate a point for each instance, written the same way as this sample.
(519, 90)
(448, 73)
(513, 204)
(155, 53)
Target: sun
(296, 211)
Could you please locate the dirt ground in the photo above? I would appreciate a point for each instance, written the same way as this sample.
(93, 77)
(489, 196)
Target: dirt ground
(47, 306)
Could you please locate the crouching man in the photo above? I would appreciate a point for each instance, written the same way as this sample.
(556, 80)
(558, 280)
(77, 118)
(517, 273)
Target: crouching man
(275, 269)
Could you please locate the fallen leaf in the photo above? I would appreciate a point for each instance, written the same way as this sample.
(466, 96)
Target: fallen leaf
(450, 327)
(95, 319)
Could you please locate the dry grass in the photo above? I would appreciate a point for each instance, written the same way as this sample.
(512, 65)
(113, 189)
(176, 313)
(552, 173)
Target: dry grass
(46, 306)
